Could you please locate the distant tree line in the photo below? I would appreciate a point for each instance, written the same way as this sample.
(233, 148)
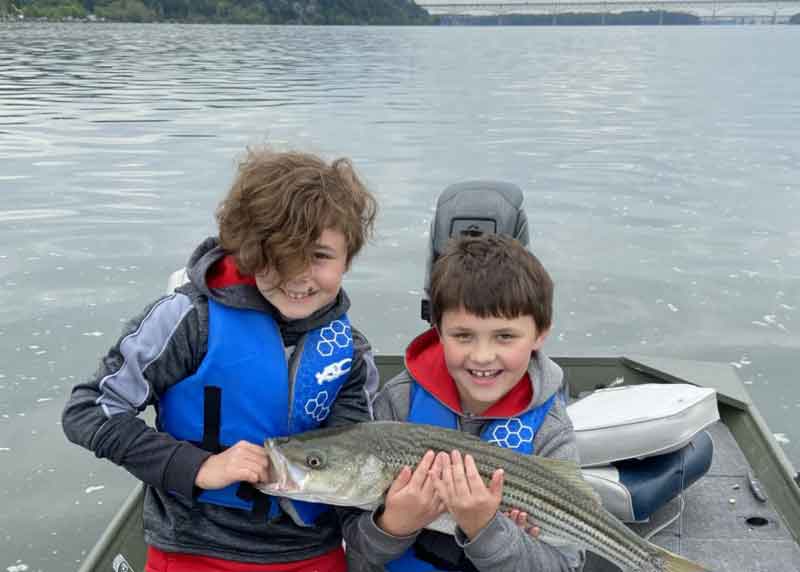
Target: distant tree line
(376, 12)
(643, 17)
(8, 9)
(395, 12)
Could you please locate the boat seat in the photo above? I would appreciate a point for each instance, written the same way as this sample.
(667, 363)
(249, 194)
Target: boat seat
(642, 445)
(639, 421)
(634, 489)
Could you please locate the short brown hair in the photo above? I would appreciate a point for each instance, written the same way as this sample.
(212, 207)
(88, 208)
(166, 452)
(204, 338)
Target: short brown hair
(491, 276)
(280, 203)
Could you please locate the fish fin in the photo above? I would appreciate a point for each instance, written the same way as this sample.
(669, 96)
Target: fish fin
(570, 471)
(675, 563)
(289, 509)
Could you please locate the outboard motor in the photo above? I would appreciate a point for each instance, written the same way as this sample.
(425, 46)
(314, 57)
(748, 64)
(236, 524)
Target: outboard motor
(472, 208)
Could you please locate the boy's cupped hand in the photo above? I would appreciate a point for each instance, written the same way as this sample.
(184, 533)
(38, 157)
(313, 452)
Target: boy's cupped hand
(411, 502)
(464, 493)
(242, 462)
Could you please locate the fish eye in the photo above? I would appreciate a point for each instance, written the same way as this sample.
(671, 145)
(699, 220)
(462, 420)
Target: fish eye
(315, 460)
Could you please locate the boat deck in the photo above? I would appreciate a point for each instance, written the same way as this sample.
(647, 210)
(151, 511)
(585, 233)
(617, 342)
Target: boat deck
(723, 525)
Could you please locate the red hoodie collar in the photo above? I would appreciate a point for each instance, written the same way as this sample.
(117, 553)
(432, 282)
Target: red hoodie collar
(224, 272)
(425, 363)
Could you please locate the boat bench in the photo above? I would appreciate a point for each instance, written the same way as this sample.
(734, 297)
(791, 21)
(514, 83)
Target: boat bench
(641, 446)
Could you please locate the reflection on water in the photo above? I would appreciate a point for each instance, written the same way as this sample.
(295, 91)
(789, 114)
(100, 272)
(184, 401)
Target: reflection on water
(660, 168)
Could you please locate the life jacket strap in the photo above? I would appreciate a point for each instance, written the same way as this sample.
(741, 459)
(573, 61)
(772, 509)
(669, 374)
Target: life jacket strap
(212, 412)
(212, 421)
(261, 502)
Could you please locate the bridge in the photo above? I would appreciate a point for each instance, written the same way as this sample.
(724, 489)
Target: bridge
(709, 11)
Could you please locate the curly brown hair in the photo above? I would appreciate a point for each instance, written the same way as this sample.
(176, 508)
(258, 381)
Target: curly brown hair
(279, 205)
(491, 275)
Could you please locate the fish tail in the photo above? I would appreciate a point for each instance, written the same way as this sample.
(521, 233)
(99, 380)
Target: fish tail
(674, 563)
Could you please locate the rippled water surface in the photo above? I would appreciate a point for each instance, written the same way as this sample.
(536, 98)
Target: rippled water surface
(660, 168)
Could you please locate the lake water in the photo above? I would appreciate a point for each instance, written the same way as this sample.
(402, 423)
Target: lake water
(660, 168)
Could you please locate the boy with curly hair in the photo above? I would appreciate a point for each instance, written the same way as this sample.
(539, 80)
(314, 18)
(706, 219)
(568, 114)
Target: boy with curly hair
(256, 344)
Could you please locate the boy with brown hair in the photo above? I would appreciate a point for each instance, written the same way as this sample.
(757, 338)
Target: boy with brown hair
(479, 370)
(256, 344)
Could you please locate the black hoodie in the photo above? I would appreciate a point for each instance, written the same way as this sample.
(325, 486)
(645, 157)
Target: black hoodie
(162, 346)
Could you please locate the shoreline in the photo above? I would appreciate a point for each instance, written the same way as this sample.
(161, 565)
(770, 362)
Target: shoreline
(562, 20)
(570, 19)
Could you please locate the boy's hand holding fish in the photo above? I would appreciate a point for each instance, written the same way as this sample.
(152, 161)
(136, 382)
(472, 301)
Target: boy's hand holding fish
(471, 503)
(411, 501)
(242, 462)
(521, 520)
(414, 500)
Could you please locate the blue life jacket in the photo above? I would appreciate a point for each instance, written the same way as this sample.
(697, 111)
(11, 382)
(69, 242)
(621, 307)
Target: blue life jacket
(513, 433)
(245, 390)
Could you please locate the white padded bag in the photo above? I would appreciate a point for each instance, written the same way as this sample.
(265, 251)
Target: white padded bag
(638, 421)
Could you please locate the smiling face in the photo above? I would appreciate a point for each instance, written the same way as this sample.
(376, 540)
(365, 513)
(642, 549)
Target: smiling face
(315, 287)
(486, 357)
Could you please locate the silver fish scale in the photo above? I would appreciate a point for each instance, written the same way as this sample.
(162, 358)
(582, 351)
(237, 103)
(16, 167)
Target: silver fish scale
(558, 507)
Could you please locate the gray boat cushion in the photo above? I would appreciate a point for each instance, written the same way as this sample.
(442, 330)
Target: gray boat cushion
(639, 421)
(634, 489)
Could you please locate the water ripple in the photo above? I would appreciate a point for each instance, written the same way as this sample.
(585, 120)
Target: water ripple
(34, 214)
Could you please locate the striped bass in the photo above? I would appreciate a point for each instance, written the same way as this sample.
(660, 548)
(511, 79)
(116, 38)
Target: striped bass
(354, 466)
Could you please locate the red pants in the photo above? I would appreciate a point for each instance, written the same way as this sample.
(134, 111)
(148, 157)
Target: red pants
(160, 561)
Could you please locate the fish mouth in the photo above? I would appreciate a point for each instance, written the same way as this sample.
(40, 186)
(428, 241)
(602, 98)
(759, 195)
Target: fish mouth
(285, 477)
(292, 480)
